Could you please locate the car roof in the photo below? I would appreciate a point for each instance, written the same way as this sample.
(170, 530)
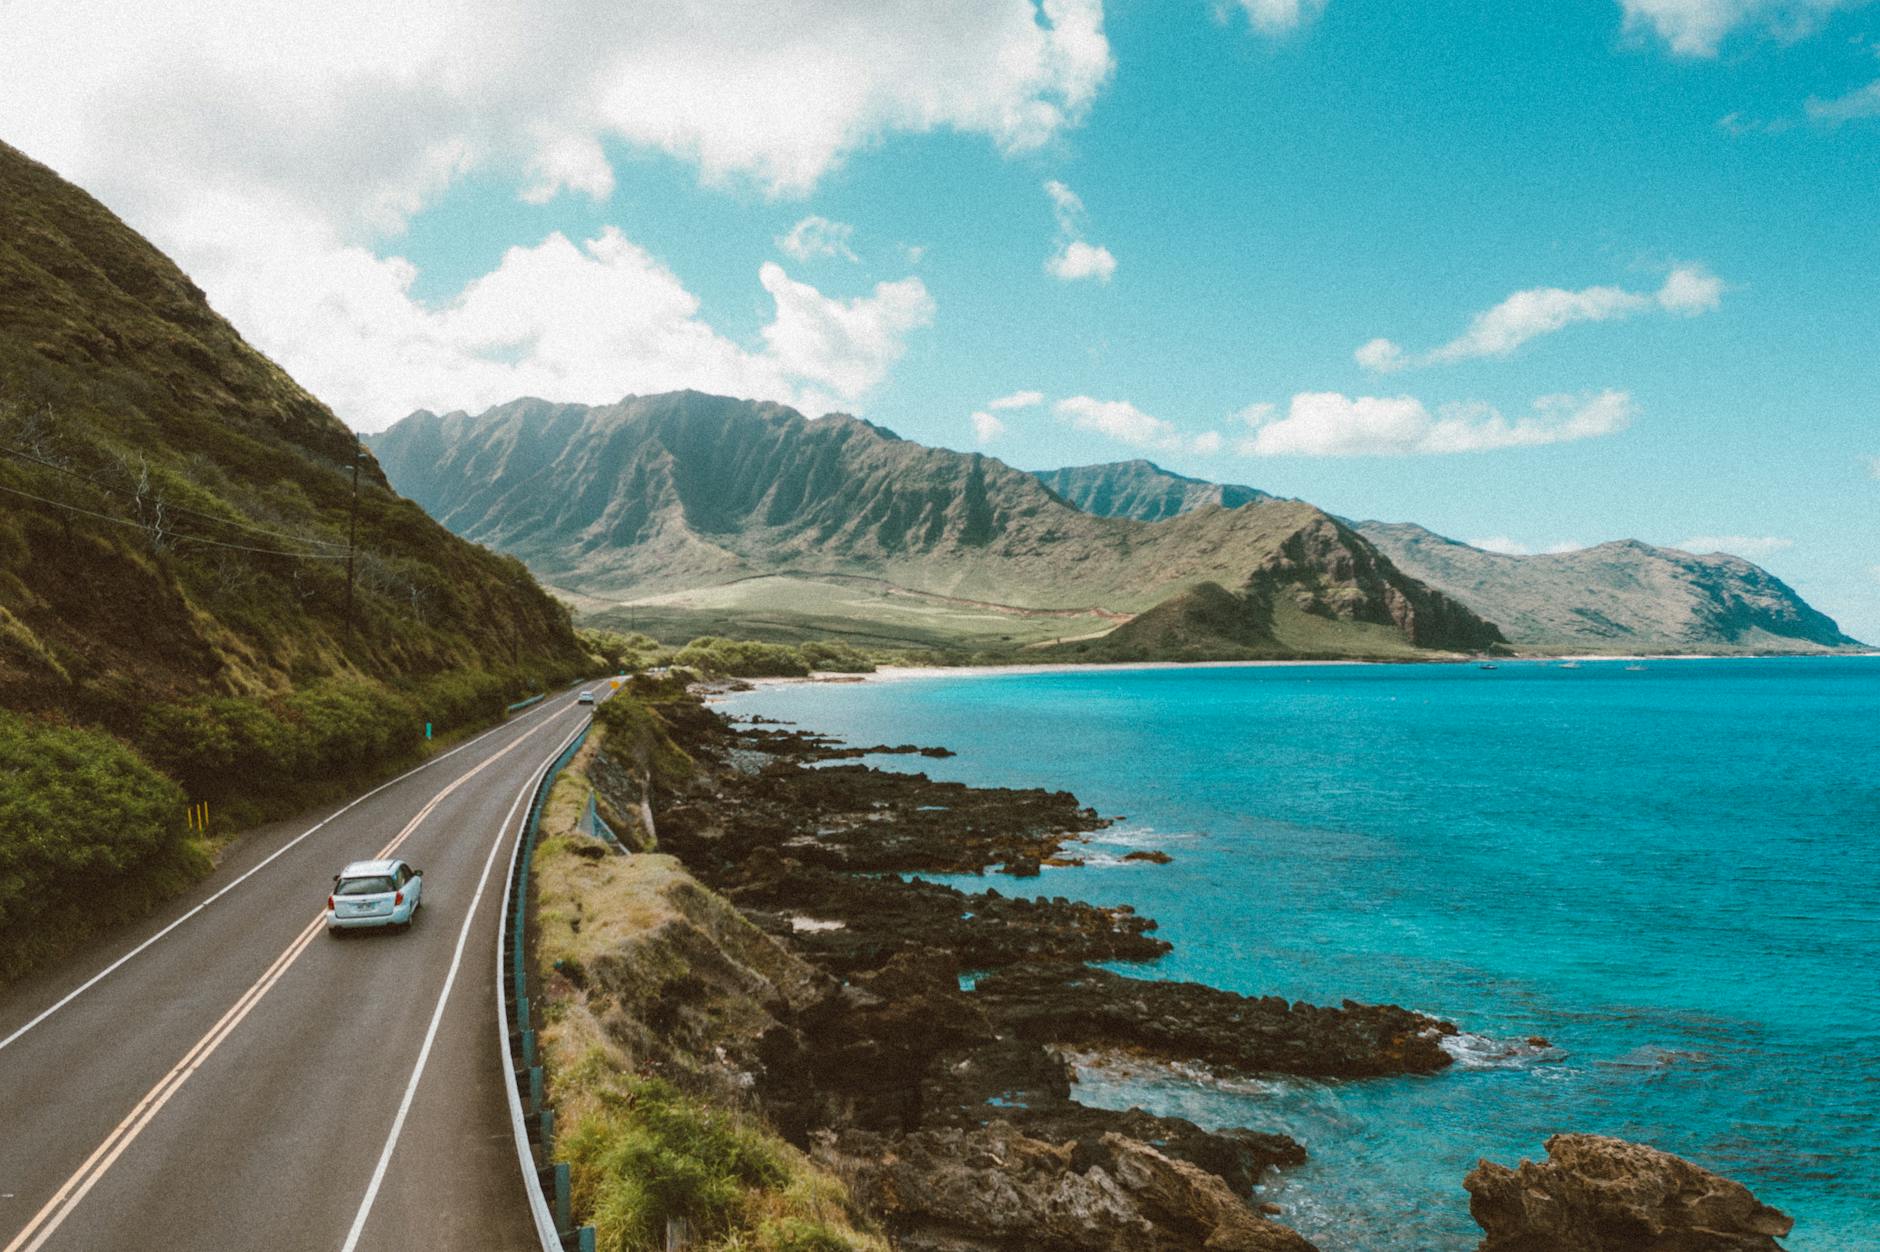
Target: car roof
(368, 869)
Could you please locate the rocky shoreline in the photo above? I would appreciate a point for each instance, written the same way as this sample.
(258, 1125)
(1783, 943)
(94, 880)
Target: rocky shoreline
(952, 1111)
(920, 1041)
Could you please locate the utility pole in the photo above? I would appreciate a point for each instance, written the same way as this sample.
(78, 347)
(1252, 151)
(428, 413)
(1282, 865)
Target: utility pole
(352, 535)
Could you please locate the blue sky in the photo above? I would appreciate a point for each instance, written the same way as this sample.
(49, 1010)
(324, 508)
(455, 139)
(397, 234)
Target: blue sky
(1622, 253)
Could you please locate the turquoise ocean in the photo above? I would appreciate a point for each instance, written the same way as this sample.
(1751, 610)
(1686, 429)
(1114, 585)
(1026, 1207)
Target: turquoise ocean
(1671, 874)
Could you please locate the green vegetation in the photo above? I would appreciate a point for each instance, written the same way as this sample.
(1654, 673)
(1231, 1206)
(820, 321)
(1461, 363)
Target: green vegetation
(743, 658)
(640, 1151)
(616, 653)
(256, 757)
(89, 835)
(719, 656)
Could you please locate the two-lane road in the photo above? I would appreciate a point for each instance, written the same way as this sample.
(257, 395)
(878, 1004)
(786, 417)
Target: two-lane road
(239, 1079)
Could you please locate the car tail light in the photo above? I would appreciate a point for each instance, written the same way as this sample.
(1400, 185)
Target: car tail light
(398, 899)
(329, 904)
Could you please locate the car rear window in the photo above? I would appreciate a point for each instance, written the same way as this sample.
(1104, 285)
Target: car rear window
(363, 887)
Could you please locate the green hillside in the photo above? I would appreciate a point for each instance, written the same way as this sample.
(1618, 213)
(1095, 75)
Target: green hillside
(176, 615)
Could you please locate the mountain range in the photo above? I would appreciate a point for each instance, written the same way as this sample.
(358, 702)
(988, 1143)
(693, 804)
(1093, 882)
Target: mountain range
(683, 512)
(1623, 596)
(688, 502)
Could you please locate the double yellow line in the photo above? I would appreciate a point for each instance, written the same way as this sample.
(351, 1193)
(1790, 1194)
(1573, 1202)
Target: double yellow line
(60, 1206)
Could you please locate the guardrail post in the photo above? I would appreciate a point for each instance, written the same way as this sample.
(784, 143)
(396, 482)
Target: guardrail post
(586, 1242)
(564, 1217)
(528, 1046)
(535, 1088)
(548, 1129)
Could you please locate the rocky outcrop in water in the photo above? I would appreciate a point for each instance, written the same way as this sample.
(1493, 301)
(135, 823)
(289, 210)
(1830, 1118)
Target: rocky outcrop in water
(1596, 1194)
(1229, 1033)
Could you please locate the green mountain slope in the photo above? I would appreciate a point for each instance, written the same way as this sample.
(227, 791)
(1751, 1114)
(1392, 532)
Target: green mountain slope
(174, 508)
(1142, 490)
(1618, 597)
(660, 498)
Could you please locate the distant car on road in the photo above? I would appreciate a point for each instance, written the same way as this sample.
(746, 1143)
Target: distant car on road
(586, 697)
(374, 893)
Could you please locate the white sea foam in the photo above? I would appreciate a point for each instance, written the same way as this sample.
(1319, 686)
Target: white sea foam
(1473, 1051)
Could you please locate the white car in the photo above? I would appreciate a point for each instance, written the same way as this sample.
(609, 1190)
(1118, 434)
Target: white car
(586, 697)
(374, 893)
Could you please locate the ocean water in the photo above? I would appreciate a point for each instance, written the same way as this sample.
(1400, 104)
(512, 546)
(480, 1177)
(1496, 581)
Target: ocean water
(1673, 875)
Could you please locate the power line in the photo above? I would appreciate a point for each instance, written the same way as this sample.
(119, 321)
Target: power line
(22, 454)
(177, 535)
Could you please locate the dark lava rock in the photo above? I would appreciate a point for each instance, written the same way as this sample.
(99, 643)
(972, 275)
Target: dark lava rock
(1595, 1194)
(883, 917)
(1150, 855)
(998, 1189)
(1181, 1021)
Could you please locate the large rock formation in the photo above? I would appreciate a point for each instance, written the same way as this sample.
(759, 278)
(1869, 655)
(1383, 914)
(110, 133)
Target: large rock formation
(1595, 1194)
(1624, 596)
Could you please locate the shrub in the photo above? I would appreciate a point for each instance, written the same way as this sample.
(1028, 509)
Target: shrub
(635, 732)
(89, 834)
(741, 658)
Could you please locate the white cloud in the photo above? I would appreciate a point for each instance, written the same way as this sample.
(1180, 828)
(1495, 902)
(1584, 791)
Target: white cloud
(1381, 356)
(1696, 27)
(261, 140)
(1078, 259)
(1564, 546)
(585, 322)
(986, 428)
(1017, 400)
(1075, 258)
(1873, 466)
(1859, 103)
(1501, 544)
(815, 237)
(1329, 424)
(1736, 545)
(1125, 423)
(1687, 290)
(1276, 17)
(846, 344)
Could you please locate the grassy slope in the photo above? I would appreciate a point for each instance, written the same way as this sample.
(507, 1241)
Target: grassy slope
(124, 394)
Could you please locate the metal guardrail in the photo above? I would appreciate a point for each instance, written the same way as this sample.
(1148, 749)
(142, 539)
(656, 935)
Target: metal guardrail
(525, 703)
(545, 1182)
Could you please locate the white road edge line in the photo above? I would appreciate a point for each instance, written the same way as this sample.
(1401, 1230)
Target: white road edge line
(104, 973)
(443, 997)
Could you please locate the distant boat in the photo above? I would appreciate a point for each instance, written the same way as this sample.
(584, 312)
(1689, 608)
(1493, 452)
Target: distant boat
(1488, 665)
(1569, 665)
(1635, 666)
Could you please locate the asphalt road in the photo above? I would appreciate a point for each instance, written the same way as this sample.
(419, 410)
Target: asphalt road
(236, 1084)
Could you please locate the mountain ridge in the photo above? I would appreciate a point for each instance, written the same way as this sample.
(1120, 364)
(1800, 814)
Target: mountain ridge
(1617, 597)
(656, 495)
